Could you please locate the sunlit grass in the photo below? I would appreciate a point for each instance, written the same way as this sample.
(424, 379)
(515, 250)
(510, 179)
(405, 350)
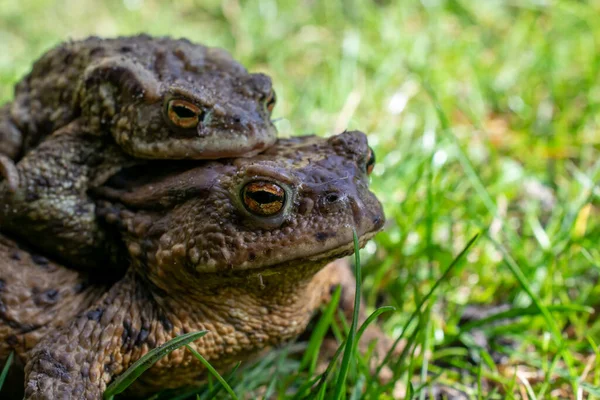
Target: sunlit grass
(484, 117)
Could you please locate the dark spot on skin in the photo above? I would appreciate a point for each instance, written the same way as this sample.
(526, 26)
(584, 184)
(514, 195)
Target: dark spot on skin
(144, 333)
(39, 260)
(2, 284)
(51, 295)
(125, 49)
(322, 236)
(47, 297)
(166, 323)
(126, 332)
(128, 335)
(95, 315)
(251, 257)
(15, 256)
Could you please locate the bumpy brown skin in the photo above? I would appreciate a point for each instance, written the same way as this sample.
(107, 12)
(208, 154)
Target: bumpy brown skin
(201, 260)
(30, 307)
(120, 86)
(51, 209)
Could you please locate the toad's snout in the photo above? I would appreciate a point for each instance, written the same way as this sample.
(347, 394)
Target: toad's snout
(365, 218)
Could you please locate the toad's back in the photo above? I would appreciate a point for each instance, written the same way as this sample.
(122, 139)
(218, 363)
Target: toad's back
(54, 78)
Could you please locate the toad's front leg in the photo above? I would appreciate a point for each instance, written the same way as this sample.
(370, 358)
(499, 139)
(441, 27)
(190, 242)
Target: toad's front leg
(11, 138)
(50, 207)
(79, 360)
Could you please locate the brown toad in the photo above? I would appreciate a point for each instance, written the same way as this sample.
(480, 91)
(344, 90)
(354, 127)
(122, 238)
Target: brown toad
(236, 247)
(159, 98)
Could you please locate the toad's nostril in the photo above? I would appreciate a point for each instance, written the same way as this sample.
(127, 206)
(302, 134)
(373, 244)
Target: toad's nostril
(332, 198)
(378, 220)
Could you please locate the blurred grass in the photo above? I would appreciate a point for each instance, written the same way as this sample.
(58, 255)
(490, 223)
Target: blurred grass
(511, 150)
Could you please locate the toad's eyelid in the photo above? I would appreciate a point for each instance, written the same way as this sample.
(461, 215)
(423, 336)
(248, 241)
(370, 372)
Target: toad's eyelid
(175, 93)
(257, 172)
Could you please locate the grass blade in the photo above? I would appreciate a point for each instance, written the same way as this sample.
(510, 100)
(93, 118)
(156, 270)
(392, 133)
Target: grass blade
(522, 312)
(7, 365)
(371, 318)
(350, 340)
(140, 366)
(217, 389)
(213, 371)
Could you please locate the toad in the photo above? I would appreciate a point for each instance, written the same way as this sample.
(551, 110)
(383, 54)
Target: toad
(236, 247)
(159, 98)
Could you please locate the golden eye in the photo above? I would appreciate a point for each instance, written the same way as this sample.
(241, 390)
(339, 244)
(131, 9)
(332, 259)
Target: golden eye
(370, 161)
(263, 198)
(183, 113)
(270, 101)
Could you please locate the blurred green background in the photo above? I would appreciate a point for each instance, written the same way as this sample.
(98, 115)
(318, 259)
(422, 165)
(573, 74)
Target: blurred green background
(484, 117)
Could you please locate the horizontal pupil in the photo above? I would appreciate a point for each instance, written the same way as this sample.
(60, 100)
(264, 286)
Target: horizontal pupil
(264, 197)
(184, 112)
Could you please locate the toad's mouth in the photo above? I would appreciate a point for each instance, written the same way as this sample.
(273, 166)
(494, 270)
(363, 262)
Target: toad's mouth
(210, 143)
(344, 250)
(304, 254)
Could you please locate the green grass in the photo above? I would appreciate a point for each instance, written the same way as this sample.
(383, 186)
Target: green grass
(484, 117)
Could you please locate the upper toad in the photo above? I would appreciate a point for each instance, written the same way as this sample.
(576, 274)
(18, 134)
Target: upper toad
(160, 98)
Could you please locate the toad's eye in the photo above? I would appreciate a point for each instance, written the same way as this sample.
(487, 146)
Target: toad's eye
(183, 113)
(370, 161)
(270, 101)
(263, 198)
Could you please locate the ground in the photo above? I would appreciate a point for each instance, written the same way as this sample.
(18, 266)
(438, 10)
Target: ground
(484, 118)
